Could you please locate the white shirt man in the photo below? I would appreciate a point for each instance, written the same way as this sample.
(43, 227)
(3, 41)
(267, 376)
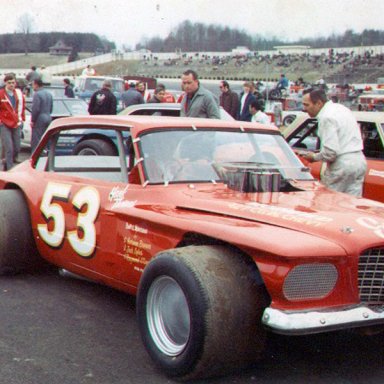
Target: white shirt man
(256, 110)
(261, 117)
(341, 144)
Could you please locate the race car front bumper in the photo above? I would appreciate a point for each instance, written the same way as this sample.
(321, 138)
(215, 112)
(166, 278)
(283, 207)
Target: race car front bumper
(302, 323)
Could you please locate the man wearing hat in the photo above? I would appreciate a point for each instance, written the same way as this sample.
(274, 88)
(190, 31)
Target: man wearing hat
(132, 96)
(103, 101)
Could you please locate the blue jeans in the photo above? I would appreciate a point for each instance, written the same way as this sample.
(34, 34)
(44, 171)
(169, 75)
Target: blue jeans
(10, 141)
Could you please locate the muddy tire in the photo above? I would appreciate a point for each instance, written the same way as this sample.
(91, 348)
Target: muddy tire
(199, 310)
(17, 247)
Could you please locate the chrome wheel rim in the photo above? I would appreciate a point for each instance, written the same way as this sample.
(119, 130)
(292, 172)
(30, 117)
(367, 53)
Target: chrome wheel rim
(168, 316)
(87, 152)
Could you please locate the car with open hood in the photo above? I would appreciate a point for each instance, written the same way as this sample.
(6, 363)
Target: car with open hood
(220, 231)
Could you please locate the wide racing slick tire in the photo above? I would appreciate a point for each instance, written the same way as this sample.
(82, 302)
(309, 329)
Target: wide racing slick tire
(18, 251)
(95, 147)
(199, 311)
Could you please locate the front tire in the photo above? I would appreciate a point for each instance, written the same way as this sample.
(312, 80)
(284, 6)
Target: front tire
(199, 311)
(18, 251)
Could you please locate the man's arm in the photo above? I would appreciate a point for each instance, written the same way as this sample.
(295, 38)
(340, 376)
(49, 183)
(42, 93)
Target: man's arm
(36, 107)
(234, 105)
(330, 147)
(212, 108)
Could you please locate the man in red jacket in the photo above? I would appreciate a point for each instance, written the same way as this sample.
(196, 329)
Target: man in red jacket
(12, 115)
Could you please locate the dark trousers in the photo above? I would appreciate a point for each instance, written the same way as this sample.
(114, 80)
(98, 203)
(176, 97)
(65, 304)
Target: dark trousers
(10, 141)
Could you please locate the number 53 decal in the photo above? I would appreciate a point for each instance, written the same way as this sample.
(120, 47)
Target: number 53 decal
(89, 196)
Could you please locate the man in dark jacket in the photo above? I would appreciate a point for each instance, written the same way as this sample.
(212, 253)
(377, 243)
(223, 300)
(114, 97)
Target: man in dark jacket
(68, 89)
(246, 99)
(229, 100)
(158, 95)
(103, 101)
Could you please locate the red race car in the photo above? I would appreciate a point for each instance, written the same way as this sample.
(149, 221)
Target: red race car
(216, 226)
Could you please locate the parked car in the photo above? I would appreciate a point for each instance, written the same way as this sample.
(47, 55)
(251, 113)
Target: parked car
(370, 102)
(62, 107)
(86, 86)
(55, 90)
(163, 109)
(301, 135)
(216, 226)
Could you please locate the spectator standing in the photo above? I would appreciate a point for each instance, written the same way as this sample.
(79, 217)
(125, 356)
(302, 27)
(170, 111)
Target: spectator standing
(278, 113)
(246, 98)
(256, 109)
(168, 97)
(42, 104)
(32, 75)
(45, 76)
(341, 143)
(103, 101)
(158, 95)
(68, 89)
(12, 115)
(140, 86)
(198, 101)
(132, 96)
(229, 100)
(88, 71)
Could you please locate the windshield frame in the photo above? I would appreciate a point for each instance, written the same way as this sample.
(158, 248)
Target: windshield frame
(155, 153)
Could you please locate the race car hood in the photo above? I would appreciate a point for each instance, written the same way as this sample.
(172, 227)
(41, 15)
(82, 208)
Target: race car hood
(331, 215)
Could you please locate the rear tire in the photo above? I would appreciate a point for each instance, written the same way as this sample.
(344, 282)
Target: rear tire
(199, 311)
(18, 251)
(95, 147)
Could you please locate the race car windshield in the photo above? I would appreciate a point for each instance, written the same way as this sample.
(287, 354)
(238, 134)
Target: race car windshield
(193, 156)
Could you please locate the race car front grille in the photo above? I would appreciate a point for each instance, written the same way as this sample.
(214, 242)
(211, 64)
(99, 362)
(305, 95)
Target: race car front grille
(371, 276)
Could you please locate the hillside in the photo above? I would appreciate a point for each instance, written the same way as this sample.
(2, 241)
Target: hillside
(339, 69)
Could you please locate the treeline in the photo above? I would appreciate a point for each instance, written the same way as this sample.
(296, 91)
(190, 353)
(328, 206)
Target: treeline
(190, 37)
(348, 39)
(40, 42)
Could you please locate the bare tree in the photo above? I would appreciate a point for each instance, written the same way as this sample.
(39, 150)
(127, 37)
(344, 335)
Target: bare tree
(25, 26)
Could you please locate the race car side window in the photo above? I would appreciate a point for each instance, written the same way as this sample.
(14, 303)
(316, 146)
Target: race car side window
(82, 153)
(373, 145)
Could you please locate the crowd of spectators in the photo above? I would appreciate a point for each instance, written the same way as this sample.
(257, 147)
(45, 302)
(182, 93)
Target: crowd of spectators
(332, 66)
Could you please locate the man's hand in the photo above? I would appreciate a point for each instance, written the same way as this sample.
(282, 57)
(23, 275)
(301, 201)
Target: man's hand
(310, 156)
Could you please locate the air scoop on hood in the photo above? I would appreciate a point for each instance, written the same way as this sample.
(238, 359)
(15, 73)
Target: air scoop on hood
(252, 177)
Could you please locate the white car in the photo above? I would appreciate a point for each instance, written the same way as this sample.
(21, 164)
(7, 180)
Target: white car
(62, 107)
(163, 109)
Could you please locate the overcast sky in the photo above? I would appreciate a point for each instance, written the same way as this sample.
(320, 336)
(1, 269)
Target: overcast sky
(128, 21)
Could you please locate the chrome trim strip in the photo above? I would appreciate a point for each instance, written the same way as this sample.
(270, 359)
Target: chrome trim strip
(301, 323)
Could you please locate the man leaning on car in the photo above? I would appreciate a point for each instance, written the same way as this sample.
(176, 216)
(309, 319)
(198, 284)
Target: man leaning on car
(341, 143)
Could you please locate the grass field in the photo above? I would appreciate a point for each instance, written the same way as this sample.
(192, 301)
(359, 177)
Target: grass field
(21, 60)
